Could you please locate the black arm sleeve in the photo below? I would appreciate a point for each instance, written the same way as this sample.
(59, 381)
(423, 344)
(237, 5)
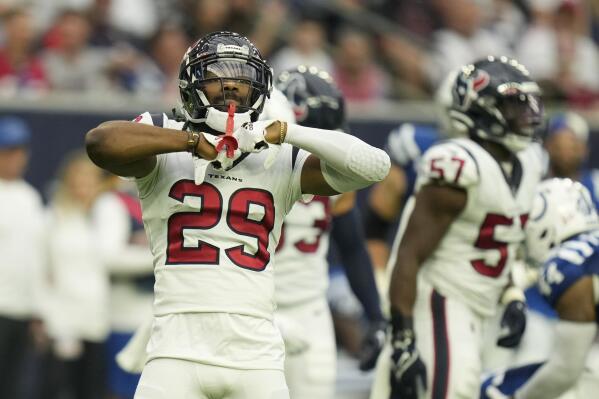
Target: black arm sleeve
(348, 235)
(375, 227)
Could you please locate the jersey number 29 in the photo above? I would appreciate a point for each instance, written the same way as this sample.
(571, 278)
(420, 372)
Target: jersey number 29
(238, 220)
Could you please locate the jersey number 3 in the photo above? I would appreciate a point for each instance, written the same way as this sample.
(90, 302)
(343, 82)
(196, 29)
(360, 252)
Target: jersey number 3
(238, 220)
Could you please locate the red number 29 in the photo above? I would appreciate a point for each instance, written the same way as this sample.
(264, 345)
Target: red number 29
(238, 220)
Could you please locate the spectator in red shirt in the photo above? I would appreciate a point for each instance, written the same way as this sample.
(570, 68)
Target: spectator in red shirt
(20, 70)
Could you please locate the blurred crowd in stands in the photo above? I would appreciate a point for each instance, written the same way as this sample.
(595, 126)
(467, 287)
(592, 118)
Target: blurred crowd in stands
(376, 49)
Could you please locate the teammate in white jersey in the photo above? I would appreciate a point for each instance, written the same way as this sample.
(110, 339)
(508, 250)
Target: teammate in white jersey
(301, 275)
(462, 229)
(213, 218)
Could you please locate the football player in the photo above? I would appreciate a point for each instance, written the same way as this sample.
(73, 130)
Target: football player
(214, 191)
(562, 236)
(462, 228)
(405, 146)
(301, 275)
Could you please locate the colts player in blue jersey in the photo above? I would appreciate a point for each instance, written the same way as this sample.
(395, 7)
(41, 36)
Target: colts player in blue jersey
(563, 237)
(567, 149)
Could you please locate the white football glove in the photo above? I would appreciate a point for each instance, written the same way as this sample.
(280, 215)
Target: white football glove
(250, 138)
(201, 164)
(294, 335)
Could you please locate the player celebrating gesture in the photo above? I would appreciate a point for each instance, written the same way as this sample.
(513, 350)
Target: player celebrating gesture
(213, 334)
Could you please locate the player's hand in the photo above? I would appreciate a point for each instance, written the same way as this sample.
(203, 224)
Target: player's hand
(250, 137)
(408, 372)
(513, 324)
(221, 160)
(372, 345)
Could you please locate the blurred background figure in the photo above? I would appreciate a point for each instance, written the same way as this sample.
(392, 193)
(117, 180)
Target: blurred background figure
(21, 71)
(158, 75)
(71, 64)
(124, 248)
(307, 47)
(559, 52)
(355, 70)
(463, 38)
(21, 254)
(567, 147)
(77, 300)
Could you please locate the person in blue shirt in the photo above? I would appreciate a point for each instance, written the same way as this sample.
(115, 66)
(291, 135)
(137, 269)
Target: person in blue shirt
(567, 147)
(405, 145)
(562, 235)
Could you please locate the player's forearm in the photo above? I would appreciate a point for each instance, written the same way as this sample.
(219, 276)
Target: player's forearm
(347, 155)
(122, 142)
(566, 363)
(402, 288)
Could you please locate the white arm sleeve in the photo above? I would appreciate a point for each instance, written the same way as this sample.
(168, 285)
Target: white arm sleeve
(565, 364)
(347, 163)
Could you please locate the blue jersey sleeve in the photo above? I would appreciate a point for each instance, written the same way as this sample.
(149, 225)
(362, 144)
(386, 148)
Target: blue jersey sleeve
(408, 142)
(557, 276)
(405, 146)
(590, 179)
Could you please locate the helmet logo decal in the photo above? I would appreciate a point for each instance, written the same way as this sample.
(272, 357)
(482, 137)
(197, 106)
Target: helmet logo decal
(294, 87)
(231, 48)
(481, 81)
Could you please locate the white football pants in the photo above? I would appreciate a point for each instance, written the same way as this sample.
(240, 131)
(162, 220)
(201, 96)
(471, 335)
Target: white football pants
(311, 374)
(166, 378)
(449, 337)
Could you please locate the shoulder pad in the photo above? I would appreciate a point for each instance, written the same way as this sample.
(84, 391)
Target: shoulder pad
(147, 118)
(449, 163)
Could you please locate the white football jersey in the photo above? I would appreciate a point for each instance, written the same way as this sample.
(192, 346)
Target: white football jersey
(213, 243)
(301, 273)
(473, 259)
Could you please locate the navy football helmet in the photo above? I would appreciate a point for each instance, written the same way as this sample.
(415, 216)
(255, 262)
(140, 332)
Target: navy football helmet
(316, 100)
(495, 99)
(219, 69)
